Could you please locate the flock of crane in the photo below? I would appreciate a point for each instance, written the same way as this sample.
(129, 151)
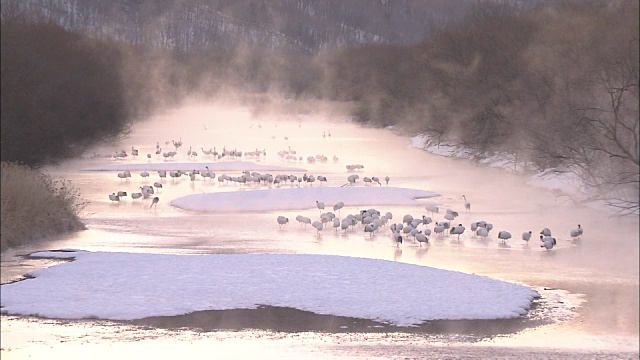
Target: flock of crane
(372, 220)
(145, 191)
(245, 178)
(213, 153)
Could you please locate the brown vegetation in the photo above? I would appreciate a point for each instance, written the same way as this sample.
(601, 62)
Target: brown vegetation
(557, 85)
(35, 205)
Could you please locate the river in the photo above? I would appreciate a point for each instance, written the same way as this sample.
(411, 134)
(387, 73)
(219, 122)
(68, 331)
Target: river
(595, 280)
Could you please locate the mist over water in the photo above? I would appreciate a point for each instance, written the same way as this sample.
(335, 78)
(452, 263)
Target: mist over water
(600, 272)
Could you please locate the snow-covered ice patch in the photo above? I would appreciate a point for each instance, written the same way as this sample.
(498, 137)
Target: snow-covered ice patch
(299, 198)
(558, 305)
(127, 286)
(187, 166)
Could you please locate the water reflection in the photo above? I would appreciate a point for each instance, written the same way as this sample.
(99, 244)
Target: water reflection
(422, 251)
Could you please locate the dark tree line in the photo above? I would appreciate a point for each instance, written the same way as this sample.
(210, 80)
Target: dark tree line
(59, 92)
(556, 85)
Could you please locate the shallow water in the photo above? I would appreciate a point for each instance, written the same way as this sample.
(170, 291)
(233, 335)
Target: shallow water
(591, 303)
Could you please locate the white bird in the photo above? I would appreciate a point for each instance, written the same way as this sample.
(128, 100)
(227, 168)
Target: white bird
(545, 238)
(549, 244)
(482, 232)
(432, 208)
(457, 230)
(146, 191)
(303, 220)
(282, 220)
(397, 238)
(336, 223)
(422, 238)
(467, 204)
(575, 233)
(526, 236)
(344, 225)
(546, 232)
(504, 235)
(155, 202)
(339, 205)
(352, 179)
(326, 217)
(446, 224)
(370, 228)
(318, 225)
(320, 205)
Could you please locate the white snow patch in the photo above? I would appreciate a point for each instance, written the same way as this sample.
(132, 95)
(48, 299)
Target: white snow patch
(299, 198)
(214, 166)
(126, 286)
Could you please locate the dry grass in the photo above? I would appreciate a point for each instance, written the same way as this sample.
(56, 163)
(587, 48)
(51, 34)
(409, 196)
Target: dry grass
(35, 205)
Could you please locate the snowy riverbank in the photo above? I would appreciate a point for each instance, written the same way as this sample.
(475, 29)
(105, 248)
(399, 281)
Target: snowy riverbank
(552, 179)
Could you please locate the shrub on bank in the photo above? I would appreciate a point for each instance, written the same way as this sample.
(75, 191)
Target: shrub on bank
(35, 205)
